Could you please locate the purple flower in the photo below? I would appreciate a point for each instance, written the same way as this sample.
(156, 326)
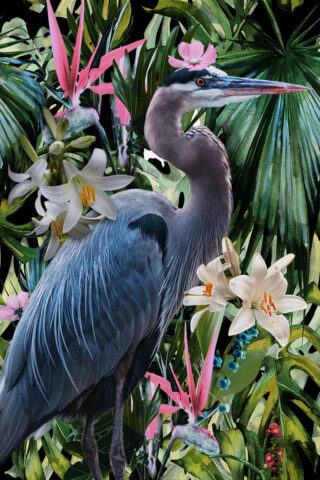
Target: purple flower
(193, 56)
(15, 306)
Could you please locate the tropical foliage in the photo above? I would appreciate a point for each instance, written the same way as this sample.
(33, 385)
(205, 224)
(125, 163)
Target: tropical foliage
(237, 394)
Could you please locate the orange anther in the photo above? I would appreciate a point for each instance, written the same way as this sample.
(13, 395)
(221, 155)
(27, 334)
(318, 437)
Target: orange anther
(88, 190)
(93, 192)
(265, 296)
(61, 224)
(208, 290)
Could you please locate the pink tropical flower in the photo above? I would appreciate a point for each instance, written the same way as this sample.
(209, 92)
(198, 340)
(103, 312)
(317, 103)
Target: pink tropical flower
(69, 81)
(193, 56)
(192, 404)
(270, 459)
(15, 307)
(274, 427)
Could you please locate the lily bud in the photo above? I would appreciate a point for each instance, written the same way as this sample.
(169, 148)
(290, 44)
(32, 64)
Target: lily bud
(197, 437)
(28, 148)
(83, 142)
(231, 256)
(50, 122)
(56, 148)
(62, 127)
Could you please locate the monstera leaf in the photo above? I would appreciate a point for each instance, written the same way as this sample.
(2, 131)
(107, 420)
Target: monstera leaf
(286, 401)
(273, 146)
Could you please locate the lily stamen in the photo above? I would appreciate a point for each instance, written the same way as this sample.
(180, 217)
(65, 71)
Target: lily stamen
(266, 306)
(87, 195)
(208, 290)
(56, 228)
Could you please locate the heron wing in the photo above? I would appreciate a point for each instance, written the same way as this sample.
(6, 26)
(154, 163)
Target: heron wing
(97, 300)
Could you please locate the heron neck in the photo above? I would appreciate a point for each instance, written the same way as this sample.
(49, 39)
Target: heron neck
(203, 158)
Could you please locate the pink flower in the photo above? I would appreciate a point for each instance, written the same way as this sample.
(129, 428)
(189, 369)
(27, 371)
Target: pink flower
(268, 432)
(194, 58)
(274, 427)
(192, 404)
(15, 306)
(69, 81)
(280, 452)
(270, 459)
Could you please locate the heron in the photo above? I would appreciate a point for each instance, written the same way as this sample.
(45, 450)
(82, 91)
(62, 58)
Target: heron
(97, 316)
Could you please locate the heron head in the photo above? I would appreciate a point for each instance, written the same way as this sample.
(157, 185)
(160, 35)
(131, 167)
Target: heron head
(212, 87)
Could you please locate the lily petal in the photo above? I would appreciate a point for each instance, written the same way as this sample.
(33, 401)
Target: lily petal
(259, 268)
(57, 193)
(70, 169)
(242, 321)
(242, 286)
(20, 190)
(190, 300)
(276, 285)
(196, 317)
(17, 177)
(277, 325)
(73, 213)
(112, 182)
(290, 303)
(53, 245)
(105, 205)
(96, 165)
(281, 264)
(37, 170)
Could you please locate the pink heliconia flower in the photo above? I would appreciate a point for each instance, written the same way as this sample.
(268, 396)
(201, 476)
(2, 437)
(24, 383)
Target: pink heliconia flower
(193, 56)
(192, 404)
(124, 116)
(69, 81)
(15, 307)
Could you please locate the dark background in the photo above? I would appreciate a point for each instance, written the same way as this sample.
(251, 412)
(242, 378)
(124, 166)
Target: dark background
(17, 8)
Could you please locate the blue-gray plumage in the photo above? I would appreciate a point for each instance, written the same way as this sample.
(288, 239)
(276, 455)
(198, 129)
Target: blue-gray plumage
(97, 316)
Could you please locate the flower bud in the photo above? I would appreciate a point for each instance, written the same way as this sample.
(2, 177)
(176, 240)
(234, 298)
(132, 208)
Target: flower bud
(56, 147)
(83, 142)
(62, 127)
(231, 256)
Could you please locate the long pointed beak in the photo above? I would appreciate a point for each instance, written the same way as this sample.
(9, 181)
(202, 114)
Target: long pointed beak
(235, 86)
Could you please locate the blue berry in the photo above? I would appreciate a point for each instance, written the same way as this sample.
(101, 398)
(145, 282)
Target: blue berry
(223, 408)
(224, 383)
(237, 343)
(254, 332)
(239, 353)
(217, 362)
(245, 338)
(233, 365)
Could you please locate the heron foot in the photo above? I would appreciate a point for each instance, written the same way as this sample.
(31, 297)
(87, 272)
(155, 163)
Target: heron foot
(90, 450)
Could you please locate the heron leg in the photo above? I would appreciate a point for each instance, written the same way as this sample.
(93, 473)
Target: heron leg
(117, 454)
(90, 450)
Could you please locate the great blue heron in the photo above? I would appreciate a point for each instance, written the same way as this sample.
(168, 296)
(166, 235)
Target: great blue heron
(97, 316)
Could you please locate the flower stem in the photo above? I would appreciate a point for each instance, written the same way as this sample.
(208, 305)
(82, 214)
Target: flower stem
(165, 458)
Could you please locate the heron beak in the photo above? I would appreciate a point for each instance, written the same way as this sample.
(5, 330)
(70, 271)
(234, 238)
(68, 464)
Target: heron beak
(234, 86)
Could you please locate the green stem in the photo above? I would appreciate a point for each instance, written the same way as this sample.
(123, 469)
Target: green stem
(165, 458)
(227, 419)
(245, 462)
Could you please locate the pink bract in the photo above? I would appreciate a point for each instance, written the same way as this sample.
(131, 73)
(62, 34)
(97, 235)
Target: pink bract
(193, 56)
(193, 403)
(67, 79)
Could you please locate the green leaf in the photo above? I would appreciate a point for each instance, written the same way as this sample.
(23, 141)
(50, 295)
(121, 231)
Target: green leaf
(57, 460)
(281, 391)
(312, 294)
(4, 345)
(33, 466)
(199, 465)
(231, 442)
(255, 452)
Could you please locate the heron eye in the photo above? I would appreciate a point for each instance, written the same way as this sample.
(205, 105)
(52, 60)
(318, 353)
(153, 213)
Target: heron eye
(200, 82)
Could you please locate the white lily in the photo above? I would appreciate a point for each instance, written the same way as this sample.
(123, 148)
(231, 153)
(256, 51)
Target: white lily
(33, 178)
(214, 293)
(264, 301)
(54, 218)
(86, 188)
